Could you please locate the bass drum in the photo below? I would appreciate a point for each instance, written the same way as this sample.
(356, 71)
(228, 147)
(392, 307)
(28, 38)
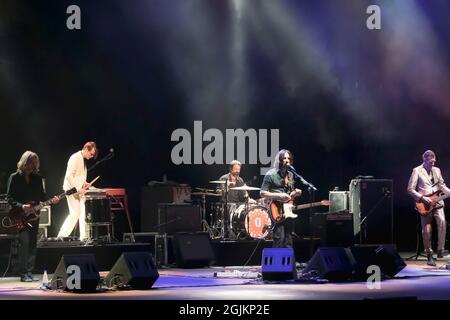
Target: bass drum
(98, 210)
(254, 222)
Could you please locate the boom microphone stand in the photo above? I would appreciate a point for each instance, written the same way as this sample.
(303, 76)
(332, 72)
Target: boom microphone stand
(311, 189)
(109, 156)
(363, 222)
(311, 242)
(418, 232)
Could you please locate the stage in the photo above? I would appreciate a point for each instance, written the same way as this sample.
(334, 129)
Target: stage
(416, 281)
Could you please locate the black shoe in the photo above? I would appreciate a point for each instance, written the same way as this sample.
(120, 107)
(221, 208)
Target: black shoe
(431, 261)
(442, 253)
(25, 278)
(33, 278)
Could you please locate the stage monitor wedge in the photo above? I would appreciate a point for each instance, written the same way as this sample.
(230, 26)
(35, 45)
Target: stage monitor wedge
(385, 256)
(135, 270)
(76, 273)
(332, 263)
(278, 264)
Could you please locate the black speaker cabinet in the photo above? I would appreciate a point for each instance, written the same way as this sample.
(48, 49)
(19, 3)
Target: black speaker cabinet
(334, 229)
(64, 277)
(135, 270)
(371, 202)
(278, 264)
(156, 193)
(193, 250)
(332, 263)
(175, 218)
(384, 256)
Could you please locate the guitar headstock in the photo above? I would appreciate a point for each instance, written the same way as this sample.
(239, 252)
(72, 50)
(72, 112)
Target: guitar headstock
(325, 203)
(71, 191)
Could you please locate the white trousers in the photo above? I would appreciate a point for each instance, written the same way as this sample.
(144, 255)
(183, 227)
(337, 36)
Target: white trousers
(77, 214)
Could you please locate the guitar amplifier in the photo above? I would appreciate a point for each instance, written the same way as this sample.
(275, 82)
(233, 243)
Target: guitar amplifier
(157, 193)
(45, 219)
(338, 201)
(334, 229)
(4, 205)
(175, 218)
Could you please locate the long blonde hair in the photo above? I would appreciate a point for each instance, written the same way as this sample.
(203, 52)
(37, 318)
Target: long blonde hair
(24, 159)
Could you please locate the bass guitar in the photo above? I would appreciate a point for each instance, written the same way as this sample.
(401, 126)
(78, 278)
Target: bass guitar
(280, 211)
(425, 208)
(20, 219)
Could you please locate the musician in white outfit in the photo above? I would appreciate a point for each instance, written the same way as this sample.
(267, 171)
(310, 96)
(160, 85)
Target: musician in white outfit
(425, 180)
(76, 175)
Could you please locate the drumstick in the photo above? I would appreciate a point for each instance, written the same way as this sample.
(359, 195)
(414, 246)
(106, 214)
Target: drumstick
(92, 182)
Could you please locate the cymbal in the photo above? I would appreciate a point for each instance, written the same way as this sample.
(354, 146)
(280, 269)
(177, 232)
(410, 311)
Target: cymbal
(205, 190)
(245, 188)
(205, 194)
(218, 181)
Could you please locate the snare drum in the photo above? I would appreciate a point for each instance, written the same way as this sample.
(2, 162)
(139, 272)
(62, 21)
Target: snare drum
(98, 209)
(254, 222)
(264, 202)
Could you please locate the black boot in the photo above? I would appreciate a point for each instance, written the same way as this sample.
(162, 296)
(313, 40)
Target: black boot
(431, 261)
(442, 253)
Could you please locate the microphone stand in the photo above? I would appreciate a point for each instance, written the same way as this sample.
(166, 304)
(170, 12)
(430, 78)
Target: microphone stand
(311, 190)
(311, 242)
(107, 157)
(363, 222)
(158, 226)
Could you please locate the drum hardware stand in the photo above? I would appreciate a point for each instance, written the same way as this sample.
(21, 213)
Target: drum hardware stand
(225, 234)
(128, 218)
(91, 226)
(205, 227)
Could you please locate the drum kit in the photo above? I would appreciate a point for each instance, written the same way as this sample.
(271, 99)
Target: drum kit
(234, 221)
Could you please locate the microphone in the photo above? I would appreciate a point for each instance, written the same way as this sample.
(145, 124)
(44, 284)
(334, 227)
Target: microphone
(306, 183)
(111, 150)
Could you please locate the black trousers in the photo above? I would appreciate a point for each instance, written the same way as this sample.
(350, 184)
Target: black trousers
(26, 250)
(282, 234)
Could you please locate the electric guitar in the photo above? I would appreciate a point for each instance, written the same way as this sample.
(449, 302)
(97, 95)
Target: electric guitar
(279, 211)
(20, 219)
(424, 208)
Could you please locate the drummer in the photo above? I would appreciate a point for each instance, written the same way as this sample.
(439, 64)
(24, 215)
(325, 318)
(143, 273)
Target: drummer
(234, 180)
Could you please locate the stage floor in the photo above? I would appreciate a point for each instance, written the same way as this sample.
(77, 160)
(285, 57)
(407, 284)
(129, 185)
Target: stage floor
(416, 281)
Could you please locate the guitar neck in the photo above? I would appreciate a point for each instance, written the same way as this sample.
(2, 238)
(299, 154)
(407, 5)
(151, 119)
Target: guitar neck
(48, 202)
(308, 205)
(443, 197)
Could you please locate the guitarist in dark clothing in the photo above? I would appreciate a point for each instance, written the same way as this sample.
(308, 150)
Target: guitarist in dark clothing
(279, 185)
(25, 188)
